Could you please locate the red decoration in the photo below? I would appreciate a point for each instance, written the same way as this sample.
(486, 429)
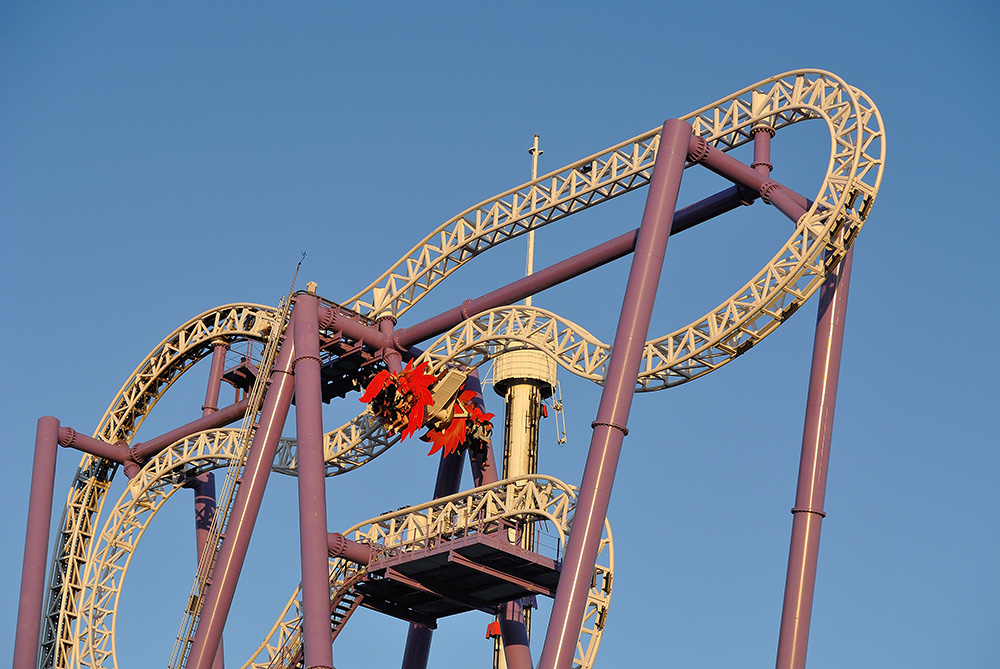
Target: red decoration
(399, 400)
(470, 428)
(493, 630)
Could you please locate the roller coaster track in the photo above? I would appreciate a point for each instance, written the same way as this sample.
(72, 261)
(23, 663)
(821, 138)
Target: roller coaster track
(411, 529)
(818, 242)
(140, 393)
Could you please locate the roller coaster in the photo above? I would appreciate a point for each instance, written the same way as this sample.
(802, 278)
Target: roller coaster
(518, 534)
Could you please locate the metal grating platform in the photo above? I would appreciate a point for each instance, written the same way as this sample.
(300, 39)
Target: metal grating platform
(465, 573)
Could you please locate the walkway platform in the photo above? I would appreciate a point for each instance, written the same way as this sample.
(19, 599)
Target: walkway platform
(477, 571)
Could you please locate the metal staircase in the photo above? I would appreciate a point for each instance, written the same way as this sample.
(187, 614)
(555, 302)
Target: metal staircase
(234, 473)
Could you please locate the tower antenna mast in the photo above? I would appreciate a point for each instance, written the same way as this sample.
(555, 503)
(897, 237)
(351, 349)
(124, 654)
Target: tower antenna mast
(535, 152)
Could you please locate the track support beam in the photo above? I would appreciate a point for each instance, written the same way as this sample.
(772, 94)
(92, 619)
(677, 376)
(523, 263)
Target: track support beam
(36, 545)
(205, 501)
(313, 550)
(616, 398)
(808, 514)
(232, 552)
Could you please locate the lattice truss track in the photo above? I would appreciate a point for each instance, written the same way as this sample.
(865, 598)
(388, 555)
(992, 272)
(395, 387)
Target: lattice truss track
(88, 566)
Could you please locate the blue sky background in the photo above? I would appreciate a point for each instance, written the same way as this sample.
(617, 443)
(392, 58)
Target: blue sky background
(156, 162)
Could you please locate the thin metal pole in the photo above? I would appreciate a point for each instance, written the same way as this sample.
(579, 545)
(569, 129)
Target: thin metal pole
(616, 399)
(530, 267)
(393, 358)
(312, 485)
(36, 545)
(808, 514)
(762, 135)
(232, 551)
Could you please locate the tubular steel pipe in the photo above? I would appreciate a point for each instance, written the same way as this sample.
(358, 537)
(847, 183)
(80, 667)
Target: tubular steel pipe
(393, 359)
(339, 546)
(518, 290)
(115, 452)
(783, 198)
(418, 647)
(204, 485)
(204, 508)
(808, 514)
(346, 322)
(204, 513)
(616, 398)
(232, 552)
(143, 451)
(215, 378)
(570, 268)
(448, 482)
(514, 634)
(36, 545)
(403, 339)
(313, 550)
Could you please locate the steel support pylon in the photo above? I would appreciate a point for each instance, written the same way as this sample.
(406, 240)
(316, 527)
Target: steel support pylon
(808, 514)
(616, 399)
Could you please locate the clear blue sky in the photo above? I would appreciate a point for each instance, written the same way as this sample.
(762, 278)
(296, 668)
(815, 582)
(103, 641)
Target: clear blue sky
(159, 161)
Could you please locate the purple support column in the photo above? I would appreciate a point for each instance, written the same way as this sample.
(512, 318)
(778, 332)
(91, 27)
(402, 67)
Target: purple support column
(36, 545)
(787, 201)
(418, 637)
(808, 514)
(385, 336)
(418, 647)
(215, 378)
(393, 358)
(762, 135)
(484, 467)
(337, 545)
(115, 452)
(313, 550)
(616, 398)
(514, 634)
(204, 514)
(219, 593)
(204, 485)
(143, 451)
(204, 507)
